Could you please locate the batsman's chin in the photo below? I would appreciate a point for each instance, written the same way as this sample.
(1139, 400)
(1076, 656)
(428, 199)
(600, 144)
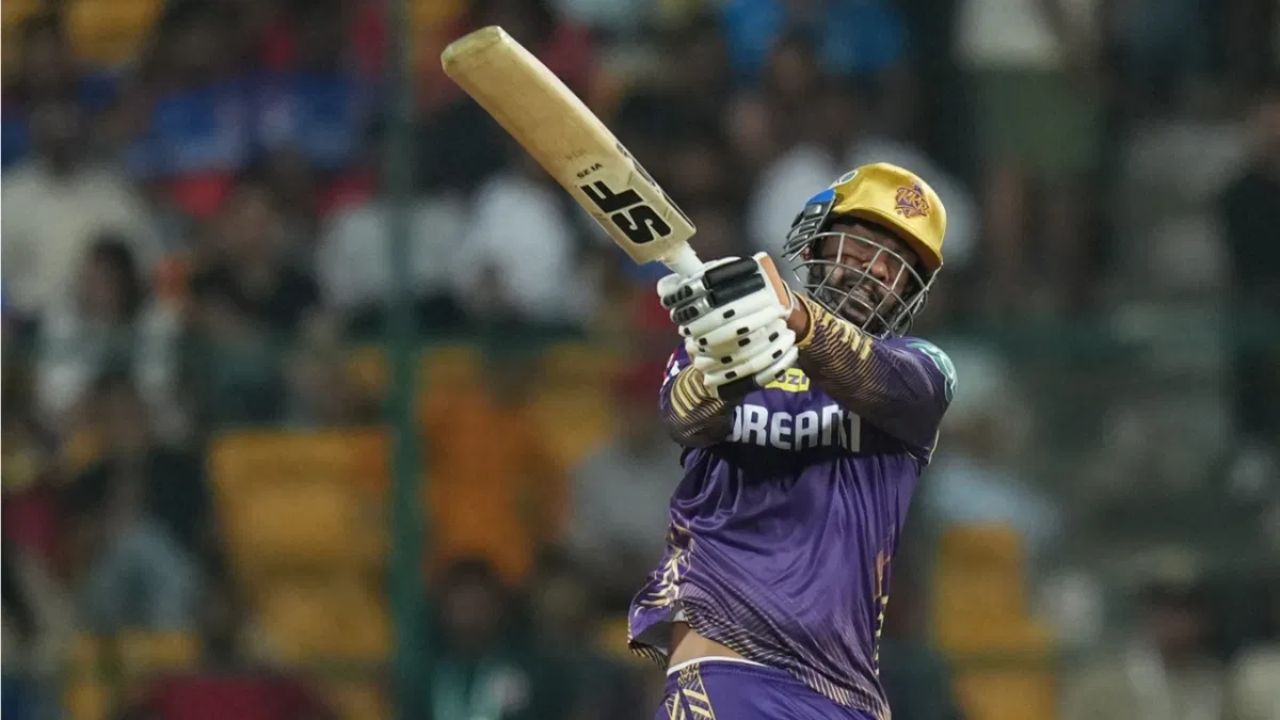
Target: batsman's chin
(862, 317)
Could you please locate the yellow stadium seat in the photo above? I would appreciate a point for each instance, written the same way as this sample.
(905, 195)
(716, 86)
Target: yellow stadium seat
(573, 399)
(358, 700)
(1010, 694)
(301, 499)
(579, 363)
(86, 652)
(575, 421)
(980, 618)
(433, 15)
(449, 365)
(357, 456)
(103, 669)
(84, 695)
(148, 652)
(302, 522)
(978, 583)
(452, 365)
(367, 369)
(87, 698)
(110, 32)
(324, 616)
(13, 13)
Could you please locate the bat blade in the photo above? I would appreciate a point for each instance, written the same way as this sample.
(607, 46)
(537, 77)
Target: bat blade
(559, 131)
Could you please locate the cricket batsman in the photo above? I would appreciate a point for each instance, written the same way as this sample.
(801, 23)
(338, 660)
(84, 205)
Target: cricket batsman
(806, 420)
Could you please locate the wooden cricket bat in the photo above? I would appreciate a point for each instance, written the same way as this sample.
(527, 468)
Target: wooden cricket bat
(571, 144)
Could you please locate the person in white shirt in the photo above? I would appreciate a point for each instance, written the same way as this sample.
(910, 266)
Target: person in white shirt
(56, 204)
(108, 324)
(517, 247)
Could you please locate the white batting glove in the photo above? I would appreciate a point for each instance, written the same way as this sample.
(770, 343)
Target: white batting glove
(733, 318)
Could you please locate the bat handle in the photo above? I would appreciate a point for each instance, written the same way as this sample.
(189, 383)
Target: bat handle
(683, 260)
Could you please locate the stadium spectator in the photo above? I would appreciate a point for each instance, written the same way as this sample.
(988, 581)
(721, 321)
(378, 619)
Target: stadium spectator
(322, 393)
(353, 259)
(1250, 212)
(38, 624)
(479, 672)
(249, 295)
(47, 70)
(853, 38)
(229, 682)
(564, 46)
(503, 500)
(1033, 69)
(67, 202)
(318, 106)
(1158, 60)
(193, 107)
(1166, 670)
(1255, 672)
(31, 520)
(110, 325)
(565, 622)
(249, 263)
(517, 246)
(141, 523)
(811, 153)
(233, 364)
(977, 476)
(465, 145)
(916, 677)
(620, 492)
(687, 96)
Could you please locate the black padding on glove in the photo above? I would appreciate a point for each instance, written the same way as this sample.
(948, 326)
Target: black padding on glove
(734, 288)
(730, 271)
(684, 293)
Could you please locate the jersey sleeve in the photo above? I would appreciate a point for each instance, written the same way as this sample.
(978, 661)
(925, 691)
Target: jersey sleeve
(692, 415)
(901, 385)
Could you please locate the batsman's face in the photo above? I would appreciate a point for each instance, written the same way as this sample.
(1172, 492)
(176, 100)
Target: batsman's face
(869, 264)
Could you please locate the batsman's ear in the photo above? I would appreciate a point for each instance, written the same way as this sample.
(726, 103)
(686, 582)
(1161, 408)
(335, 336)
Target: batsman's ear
(774, 278)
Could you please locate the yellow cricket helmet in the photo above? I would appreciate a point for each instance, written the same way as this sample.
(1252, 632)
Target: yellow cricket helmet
(901, 201)
(893, 198)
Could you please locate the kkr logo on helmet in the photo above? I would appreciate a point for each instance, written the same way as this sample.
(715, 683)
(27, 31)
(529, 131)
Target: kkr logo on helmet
(910, 202)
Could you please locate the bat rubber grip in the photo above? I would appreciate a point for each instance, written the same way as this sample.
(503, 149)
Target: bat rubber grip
(683, 260)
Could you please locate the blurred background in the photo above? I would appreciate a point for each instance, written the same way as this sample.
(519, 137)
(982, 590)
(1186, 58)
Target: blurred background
(321, 401)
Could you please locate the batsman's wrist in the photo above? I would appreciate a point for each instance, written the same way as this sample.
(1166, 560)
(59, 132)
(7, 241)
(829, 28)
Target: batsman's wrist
(799, 321)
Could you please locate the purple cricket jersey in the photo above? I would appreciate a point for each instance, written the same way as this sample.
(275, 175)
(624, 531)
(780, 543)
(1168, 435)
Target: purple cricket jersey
(780, 536)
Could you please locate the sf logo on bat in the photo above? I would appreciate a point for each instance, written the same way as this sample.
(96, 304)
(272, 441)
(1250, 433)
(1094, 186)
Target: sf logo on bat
(626, 209)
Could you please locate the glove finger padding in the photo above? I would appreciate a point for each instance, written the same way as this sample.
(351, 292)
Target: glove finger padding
(733, 315)
(732, 332)
(720, 284)
(738, 346)
(728, 355)
(763, 356)
(778, 368)
(675, 289)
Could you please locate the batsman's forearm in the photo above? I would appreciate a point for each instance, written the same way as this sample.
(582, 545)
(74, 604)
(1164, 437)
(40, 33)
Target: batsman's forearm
(692, 415)
(888, 388)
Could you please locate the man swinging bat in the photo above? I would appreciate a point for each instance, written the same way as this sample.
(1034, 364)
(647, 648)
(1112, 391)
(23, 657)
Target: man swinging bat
(806, 420)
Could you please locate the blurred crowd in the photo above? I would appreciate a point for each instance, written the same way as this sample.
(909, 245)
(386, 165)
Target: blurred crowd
(195, 240)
